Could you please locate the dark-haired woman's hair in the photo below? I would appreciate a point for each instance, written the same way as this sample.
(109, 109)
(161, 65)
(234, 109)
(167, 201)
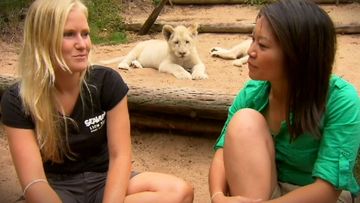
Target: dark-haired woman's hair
(308, 39)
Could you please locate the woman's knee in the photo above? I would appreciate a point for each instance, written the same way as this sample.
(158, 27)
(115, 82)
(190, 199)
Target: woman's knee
(168, 188)
(246, 124)
(178, 190)
(183, 192)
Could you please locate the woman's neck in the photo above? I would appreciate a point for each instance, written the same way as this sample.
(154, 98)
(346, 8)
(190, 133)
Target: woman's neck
(279, 92)
(275, 112)
(67, 91)
(67, 82)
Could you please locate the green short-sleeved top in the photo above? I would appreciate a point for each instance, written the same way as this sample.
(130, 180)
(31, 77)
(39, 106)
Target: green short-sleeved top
(331, 157)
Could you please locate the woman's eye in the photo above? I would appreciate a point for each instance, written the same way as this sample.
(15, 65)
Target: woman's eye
(85, 34)
(263, 46)
(68, 34)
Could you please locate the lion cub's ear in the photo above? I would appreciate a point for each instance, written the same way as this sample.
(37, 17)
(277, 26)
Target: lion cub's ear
(194, 29)
(167, 31)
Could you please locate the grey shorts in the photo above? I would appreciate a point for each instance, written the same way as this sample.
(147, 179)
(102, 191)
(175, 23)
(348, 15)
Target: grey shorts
(87, 187)
(283, 188)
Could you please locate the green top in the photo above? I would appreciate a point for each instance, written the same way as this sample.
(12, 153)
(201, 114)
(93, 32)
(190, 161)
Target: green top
(331, 157)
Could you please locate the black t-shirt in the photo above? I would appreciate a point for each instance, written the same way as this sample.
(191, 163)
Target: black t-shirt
(87, 139)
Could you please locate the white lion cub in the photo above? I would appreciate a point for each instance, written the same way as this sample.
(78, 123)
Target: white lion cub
(238, 52)
(176, 54)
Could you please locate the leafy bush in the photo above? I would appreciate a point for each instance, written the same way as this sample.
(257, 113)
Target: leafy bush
(156, 2)
(105, 21)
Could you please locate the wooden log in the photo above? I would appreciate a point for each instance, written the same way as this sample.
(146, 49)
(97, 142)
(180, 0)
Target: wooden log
(152, 18)
(180, 101)
(249, 1)
(5, 82)
(176, 123)
(226, 28)
(203, 28)
(181, 109)
(353, 28)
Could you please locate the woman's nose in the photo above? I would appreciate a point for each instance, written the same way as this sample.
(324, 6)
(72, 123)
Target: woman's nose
(251, 51)
(80, 42)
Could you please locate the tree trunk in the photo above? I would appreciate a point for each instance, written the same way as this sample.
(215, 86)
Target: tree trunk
(180, 101)
(181, 109)
(152, 18)
(348, 29)
(176, 123)
(353, 28)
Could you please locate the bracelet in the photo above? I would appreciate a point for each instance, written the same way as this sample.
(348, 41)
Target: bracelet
(32, 183)
(215, 194)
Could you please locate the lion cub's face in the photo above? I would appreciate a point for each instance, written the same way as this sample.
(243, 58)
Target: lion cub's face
(180, 39)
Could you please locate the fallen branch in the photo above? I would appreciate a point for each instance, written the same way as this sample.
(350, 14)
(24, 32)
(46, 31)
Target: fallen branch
(180, 101)
(5, 82)
(152, 18)
(181, 109)
(353, 28)
(203, 28)
(176, 123)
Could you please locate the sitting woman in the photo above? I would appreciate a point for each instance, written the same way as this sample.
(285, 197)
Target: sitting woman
(293, 132)
(67, 122)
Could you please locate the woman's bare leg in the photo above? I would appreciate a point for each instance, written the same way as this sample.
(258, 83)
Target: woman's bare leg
(160, 188)
(249, 156)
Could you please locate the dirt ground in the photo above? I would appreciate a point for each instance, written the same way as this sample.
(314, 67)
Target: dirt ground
(185, 155)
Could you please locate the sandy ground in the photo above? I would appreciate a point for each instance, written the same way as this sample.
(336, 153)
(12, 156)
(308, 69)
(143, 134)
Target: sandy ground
(185, 155)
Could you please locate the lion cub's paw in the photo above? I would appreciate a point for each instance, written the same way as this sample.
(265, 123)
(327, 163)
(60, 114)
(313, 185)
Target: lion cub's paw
(215, 51)
(199, 75)
(183, 75)
(123, 65)
(136, 64)
(240, 62)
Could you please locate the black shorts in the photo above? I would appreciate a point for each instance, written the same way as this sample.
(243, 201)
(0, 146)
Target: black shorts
(87, 187)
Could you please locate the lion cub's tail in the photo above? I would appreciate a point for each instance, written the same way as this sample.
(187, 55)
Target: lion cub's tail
(110, 61)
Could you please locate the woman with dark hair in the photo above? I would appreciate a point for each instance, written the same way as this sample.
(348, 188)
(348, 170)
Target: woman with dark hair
(292, 134)
(67, 121)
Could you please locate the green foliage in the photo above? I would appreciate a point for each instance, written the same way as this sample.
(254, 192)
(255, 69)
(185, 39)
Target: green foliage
(8, 7)
(105, 36)
(156, 2)
(104, 18)
(105, 21)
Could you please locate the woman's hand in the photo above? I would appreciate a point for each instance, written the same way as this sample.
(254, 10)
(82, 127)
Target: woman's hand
(27, 160)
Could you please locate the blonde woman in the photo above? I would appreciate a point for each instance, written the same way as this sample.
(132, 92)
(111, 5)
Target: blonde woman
(67, 122)
(293, 132)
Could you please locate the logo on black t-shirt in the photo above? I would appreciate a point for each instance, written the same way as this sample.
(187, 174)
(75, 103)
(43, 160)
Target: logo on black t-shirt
(96, 122)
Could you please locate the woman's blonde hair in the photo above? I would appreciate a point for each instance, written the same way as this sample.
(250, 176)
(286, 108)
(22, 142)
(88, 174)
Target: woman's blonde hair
(40, 55)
